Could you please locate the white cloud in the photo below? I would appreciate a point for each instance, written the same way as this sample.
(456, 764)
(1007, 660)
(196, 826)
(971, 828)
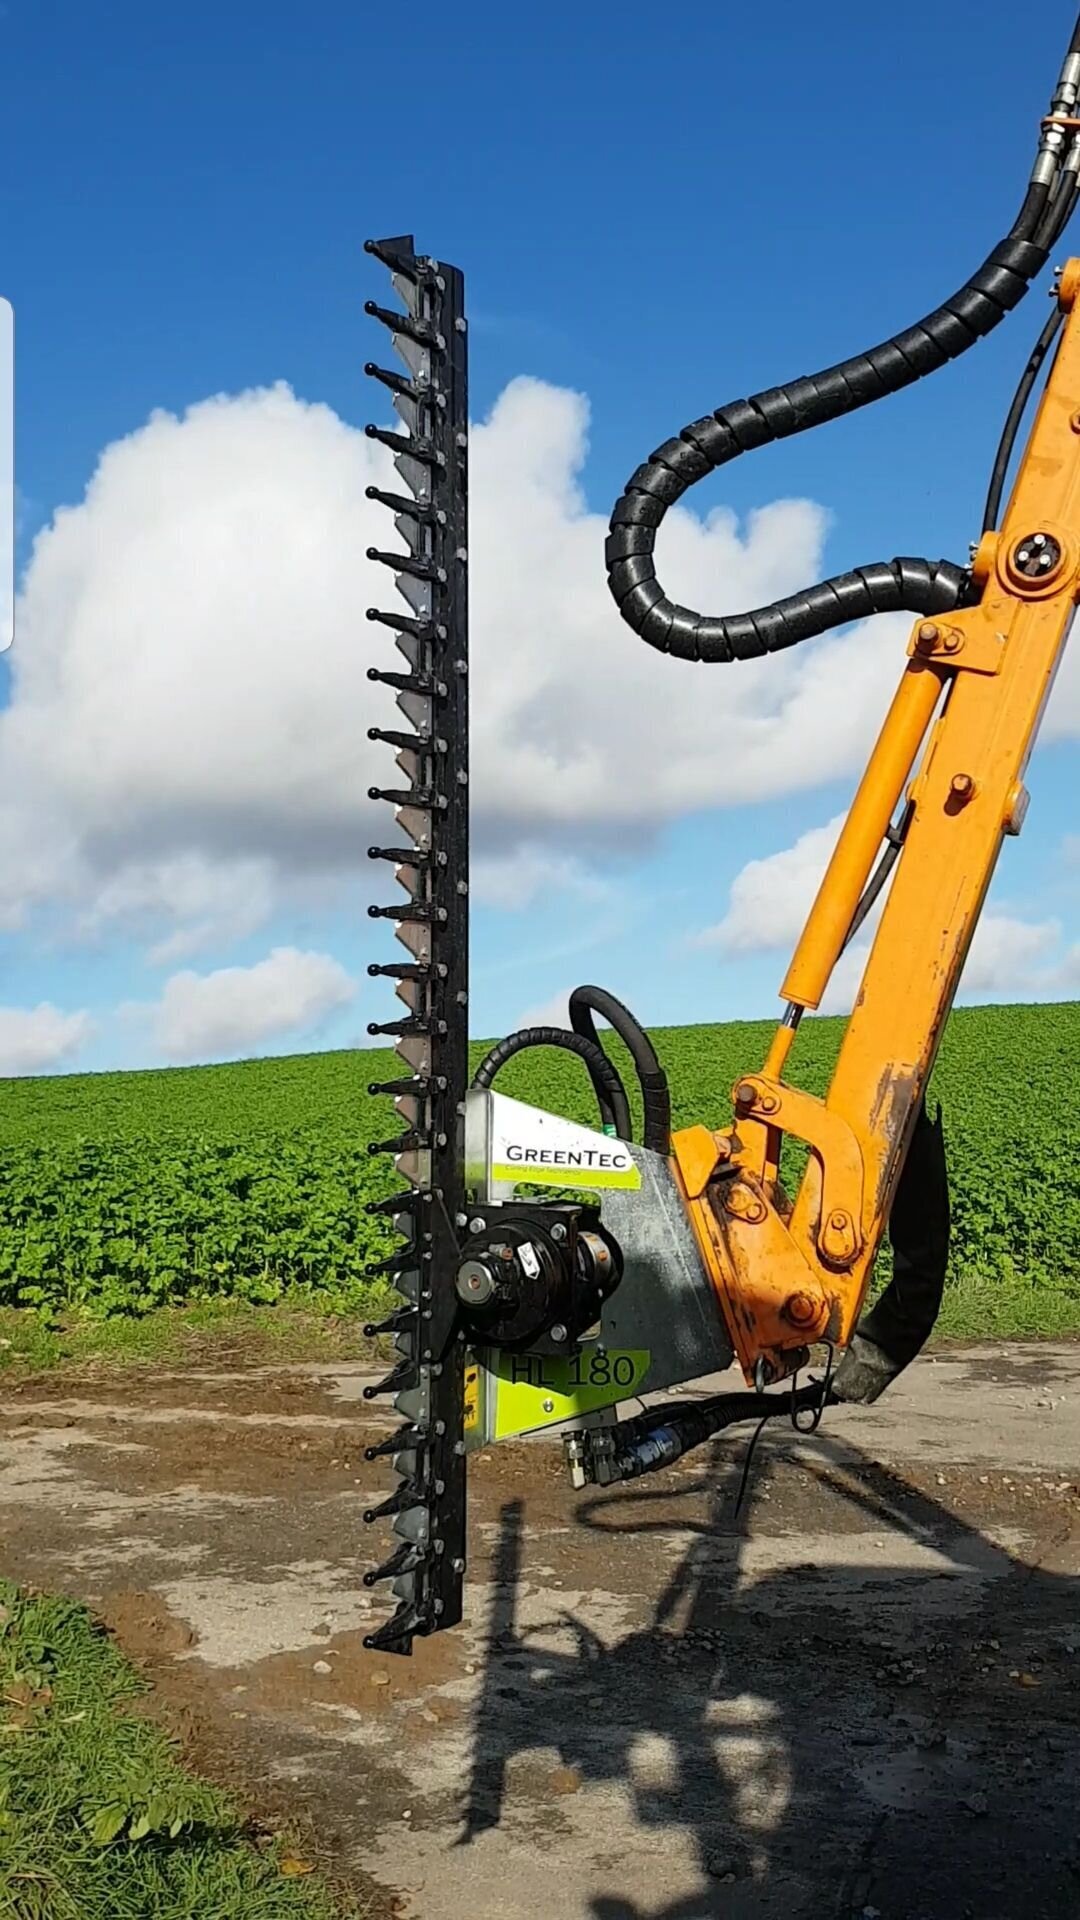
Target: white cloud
(515, 880)
(1010, 955)
(33, 1039)
(553, 1012)
(769, 899)
(234, 1009)
(205, 902)
(186, 747)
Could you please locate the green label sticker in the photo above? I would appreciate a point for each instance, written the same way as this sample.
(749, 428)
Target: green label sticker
(531, 1390)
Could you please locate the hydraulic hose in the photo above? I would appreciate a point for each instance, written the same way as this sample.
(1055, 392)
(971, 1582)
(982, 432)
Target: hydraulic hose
(655, 1095)
(909, 585)
(607, 1084)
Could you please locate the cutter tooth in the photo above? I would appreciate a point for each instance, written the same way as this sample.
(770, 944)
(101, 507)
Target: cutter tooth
(393, 737)
(409, 760)
(401, 623)
(407, 1202)
(399, 1318)
(416, 470)
(405, 1494)
(411, 566)
(406, 1436)
(402, 1261)
(410, 1108)
(396, 1635)
(397, 1378)
(403, 1560)
(401, 857)
(415, 1049)
(397, 383)
(418, 682)
(398, 253)
(415, 1085)
(408, 401)
(415, 1166)
(405, 326)
(417, 708)
(416, 592)
(414, 355)
(417, 939)
(409, 514)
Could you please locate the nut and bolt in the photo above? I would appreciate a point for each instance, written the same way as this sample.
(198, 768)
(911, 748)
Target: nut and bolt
(748, 1094)
(548, 1406)
(800, 1309)
(1036, 555)
(477, 1225)
(929, 637)
(743, 1202)
(558, 1332)
(961, 786)
(558, 1231)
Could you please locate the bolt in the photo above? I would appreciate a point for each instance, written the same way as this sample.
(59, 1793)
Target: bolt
(475, 1282)
(953, 641)
(839, 1221)
(926, 638)
(477, 1225)
(548, 1406)
(800, 1309)
(744, 1204)
(558, 1332)
(745, 1093)
(458, 1565)
(961, 786)
(558, 1231)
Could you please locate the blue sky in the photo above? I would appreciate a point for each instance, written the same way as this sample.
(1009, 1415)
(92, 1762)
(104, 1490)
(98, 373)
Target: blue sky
(659, 212)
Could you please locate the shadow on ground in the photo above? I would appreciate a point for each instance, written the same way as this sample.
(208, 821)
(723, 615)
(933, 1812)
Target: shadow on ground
(838, 1741)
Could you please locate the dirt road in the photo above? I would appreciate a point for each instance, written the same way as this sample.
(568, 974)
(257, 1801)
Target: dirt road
(859, 1697)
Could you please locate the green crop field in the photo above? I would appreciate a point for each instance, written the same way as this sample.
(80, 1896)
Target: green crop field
(120, 1193)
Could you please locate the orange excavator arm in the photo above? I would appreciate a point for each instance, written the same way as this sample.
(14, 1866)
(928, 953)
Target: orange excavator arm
(949, 765)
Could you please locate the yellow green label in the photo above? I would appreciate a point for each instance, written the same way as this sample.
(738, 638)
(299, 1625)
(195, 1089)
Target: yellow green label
(531, 1390)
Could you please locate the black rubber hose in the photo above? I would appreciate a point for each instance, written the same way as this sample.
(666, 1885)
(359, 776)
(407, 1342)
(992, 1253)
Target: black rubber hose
(607, 1084)
(908, 585)
(655, 1094)
(1015, 415)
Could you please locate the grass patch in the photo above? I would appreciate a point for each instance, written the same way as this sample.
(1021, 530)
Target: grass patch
(1009, 1308)
(98, 1820)
(223, 1331)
